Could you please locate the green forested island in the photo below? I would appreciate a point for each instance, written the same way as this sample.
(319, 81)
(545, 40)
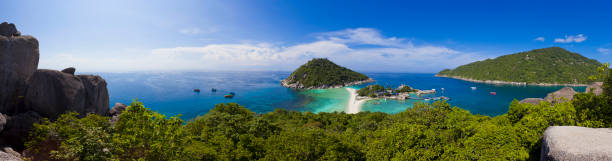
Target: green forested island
(322, 73)
(552, 65)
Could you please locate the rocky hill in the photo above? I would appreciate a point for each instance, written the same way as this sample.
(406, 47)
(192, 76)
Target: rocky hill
(553, 65)
(322, 73)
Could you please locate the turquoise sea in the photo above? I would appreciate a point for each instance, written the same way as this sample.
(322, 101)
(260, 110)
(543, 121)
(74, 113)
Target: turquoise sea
(172, 93)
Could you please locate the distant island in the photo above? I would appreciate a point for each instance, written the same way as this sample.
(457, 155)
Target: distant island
(321, 73)
(547, 66)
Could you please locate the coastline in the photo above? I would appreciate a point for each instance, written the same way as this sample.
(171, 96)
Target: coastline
(509, 83)
(297, 85)
(354, 103)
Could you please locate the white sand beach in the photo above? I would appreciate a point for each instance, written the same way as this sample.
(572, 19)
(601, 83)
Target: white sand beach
(354, 105)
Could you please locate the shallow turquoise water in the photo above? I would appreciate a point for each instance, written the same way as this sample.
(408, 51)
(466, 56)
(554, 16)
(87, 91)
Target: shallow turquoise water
(327, 100)
(172, 93)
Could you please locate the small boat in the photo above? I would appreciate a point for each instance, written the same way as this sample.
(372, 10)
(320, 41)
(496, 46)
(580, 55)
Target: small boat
(493, 93)
(230, 95)
(473, 88)
(213, 90)
(196, 90)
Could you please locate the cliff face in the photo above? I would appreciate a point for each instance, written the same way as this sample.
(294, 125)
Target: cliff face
(18, 61)
(28, 94)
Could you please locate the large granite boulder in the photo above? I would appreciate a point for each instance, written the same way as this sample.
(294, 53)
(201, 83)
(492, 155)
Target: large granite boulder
(562, 95)
(69, 70)
(51, 93)
(18, 61)
(18, 128)
(96, 95)
(116, 111)
(9, 29)
(10, 150)
(8, 157)
(576, 143)
(595, 88)
(533, 101)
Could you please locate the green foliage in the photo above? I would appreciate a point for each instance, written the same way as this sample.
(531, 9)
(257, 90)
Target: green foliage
(143, 134)
(139, 134)
(229, 131)
(79, 139)
(547, 65)
(405, 89)
(322, 72)
(592, 110)
(370, 90)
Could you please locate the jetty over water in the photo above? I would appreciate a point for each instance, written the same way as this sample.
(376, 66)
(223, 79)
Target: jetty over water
(430, 98)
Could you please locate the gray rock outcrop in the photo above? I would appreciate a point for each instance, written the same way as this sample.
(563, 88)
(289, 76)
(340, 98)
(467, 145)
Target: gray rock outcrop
(116, 111)
(533, 101)
(69, 70)
(576, 143)
(52, 93)
(8, 157)
(96, 95)
(27, 94)
(18, 60)
(9, 29)
(562, 95)
(595, 88)
(11, 151)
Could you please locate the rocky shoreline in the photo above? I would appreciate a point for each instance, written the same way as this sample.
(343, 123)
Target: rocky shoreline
(509, 83)
(298, 85)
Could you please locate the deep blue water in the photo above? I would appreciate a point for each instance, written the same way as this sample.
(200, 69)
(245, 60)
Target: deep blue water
(172, 93)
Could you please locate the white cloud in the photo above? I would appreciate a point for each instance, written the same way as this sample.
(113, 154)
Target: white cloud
(367, 36)
(384, 54)
(569, 39)
(603, 50)
(196, 30)
(539, 39)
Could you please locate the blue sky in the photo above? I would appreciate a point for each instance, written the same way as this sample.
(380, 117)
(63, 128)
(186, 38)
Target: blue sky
(393, 36)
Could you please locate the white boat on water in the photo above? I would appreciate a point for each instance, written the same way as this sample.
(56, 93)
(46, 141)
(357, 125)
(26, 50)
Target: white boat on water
(473, 88)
